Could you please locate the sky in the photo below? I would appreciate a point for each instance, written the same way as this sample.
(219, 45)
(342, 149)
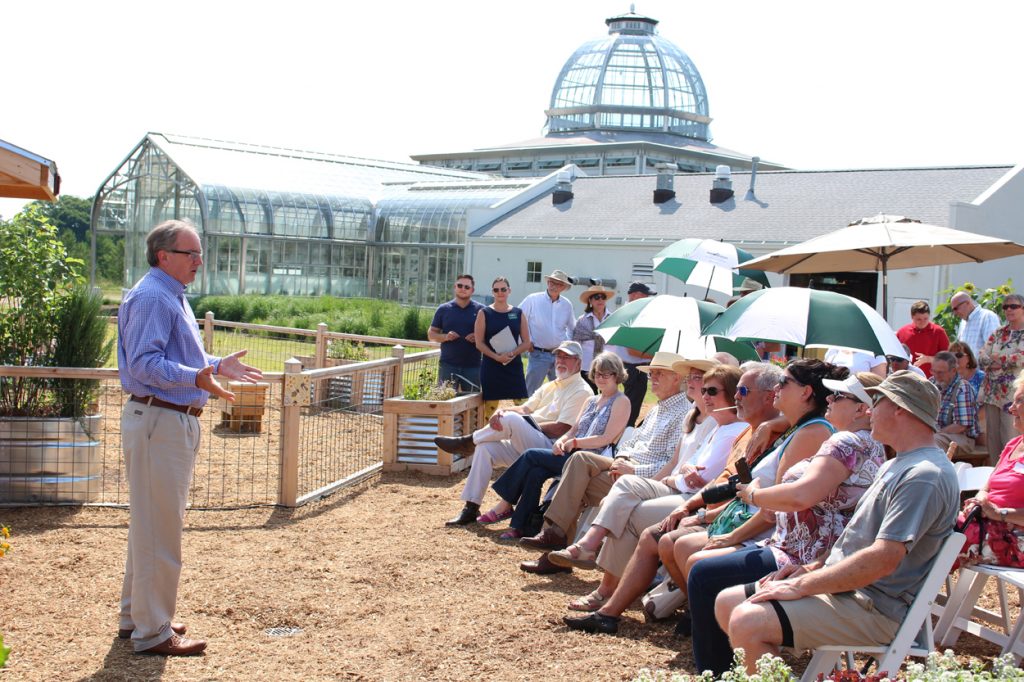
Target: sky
(809, 84)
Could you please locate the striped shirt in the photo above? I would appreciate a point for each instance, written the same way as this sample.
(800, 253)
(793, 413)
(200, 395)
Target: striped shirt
(654, 442)
(159, 349)
(975, 330)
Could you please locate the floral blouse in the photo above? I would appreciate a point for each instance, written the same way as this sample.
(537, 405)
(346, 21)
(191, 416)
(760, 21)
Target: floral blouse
(801, 537)
(1002, 358)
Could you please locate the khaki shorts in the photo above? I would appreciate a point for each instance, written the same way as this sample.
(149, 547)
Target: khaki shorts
(846, 618)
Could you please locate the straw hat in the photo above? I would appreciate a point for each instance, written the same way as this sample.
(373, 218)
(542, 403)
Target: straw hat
(662, 360)
(561, 277)
(683, 367)
(595, 289)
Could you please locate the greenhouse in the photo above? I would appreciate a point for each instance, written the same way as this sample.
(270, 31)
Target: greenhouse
(281, 221)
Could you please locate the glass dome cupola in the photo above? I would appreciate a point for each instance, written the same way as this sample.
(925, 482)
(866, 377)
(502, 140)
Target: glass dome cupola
(633, 80)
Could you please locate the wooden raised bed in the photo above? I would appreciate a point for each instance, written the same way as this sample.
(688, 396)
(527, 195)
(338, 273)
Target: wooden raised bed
(411, 425)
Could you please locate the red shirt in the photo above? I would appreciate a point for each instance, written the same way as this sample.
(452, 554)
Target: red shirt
(1005, 487)
(927, 341)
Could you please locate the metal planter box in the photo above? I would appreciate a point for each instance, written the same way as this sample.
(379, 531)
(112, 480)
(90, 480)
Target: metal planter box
(49, 460)
(411, 425)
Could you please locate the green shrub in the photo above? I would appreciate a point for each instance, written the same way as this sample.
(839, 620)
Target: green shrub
(992, 299)
(80, 340)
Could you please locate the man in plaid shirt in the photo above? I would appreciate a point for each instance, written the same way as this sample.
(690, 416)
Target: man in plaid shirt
(587, 476)
(958, 413)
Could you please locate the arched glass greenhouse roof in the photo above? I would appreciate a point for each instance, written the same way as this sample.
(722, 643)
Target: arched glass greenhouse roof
(632, 80)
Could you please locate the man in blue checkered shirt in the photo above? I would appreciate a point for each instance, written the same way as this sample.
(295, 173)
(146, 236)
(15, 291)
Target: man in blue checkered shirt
(163, 365)
(958, 411)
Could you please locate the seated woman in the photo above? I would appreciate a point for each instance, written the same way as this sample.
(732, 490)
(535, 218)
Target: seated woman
(811, 506)
(967, 364)
(600, 424)
(996, 533)
(635, 502)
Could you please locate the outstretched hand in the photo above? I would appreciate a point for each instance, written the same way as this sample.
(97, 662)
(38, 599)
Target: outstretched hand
(205, 381)
(233, 368)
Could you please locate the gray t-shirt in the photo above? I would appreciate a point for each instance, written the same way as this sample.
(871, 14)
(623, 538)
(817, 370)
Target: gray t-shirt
(914, 500)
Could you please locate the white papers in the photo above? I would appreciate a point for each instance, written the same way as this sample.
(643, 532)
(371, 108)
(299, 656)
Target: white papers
(504, 342)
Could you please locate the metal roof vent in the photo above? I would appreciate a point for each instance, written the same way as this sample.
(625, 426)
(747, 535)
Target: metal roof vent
(563, 188)
(666, 180)
(721, 188)
(753, 176)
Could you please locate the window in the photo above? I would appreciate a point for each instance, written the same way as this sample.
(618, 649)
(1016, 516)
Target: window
(533, 270)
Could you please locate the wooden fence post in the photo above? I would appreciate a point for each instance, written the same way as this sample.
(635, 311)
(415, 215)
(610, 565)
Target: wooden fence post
(288, 491)
(321, 345)
(208, 331)
(397, 387)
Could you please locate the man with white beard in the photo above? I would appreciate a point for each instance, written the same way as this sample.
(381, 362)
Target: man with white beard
(548, 414)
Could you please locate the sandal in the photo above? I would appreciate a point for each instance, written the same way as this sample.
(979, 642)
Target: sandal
(574, 556)
(494, 517)
(510, 534)
(591, 602)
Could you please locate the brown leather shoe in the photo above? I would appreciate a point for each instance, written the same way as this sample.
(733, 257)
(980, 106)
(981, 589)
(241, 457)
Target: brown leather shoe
(176, 646)
(542, 566)
(456, 445)
(548, 538)
(176, 628)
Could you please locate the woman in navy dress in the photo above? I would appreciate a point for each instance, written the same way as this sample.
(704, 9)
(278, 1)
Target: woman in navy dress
(501, 374)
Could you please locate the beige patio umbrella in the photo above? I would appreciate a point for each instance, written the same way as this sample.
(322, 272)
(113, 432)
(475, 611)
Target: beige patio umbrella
(885, 242)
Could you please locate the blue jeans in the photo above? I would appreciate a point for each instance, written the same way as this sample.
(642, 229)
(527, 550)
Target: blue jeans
(540, 365)
(522, 483)
(711, 649)
(460, 375)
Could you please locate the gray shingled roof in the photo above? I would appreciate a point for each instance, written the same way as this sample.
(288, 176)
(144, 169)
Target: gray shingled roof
(791, 206)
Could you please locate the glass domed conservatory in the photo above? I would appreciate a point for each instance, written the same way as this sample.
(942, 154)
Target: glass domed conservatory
(280, 221)
(632, 80)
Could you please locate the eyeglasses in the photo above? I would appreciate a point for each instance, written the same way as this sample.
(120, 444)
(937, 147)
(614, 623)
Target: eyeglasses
(877, 398)
(959, 354)
(1012, 306)
(604, 375)
(789, 380)
(837, 396)
(695, 376)
(598, 297)
(198, 255)
(892, 359)
(460, 285)
(959, 304)
(742, 391)
(711, 391)
(499, 290)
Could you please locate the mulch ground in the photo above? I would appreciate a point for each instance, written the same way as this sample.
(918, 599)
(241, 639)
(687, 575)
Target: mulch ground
(380, 589)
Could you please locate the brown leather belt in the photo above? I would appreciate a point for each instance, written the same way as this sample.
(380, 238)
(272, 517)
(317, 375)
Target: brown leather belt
(156, 402)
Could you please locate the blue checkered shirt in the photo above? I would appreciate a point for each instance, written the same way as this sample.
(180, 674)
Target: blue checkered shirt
(159, 349)
(654, 442)
(959, 406)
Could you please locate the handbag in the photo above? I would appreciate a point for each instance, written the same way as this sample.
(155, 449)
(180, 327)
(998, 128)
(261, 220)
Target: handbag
(732, 516)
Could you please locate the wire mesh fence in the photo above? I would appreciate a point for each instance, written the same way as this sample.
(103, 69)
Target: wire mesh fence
(247, 455)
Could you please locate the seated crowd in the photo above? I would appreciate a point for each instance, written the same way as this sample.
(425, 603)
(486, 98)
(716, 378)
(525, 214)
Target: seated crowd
(762, 495)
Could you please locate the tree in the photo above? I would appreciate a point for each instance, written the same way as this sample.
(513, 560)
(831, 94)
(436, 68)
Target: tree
(67, 213)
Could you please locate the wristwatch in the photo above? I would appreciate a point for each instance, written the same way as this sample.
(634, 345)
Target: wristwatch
(1002, 514)
(701, 514)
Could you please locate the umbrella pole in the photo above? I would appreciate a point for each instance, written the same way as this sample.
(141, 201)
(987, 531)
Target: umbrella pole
(885, 288)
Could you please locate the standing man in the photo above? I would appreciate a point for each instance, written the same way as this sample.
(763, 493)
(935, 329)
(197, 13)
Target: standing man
(163, 366)
(452, 327)
(551, 320)
(958, 409)
(976, 323)
(635, 386)
(923, 337)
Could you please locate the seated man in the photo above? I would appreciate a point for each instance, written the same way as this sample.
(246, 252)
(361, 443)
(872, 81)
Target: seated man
(587, 477)
(958, 410)
(874, 571)
(552, 411)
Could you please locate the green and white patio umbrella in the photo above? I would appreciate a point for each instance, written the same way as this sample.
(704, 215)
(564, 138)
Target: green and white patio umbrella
(707, 263)
(642, 324)
(706, 346)
(808, 318)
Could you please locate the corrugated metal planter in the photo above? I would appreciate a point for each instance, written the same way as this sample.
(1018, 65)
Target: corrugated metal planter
(411, 425)
(49, 460)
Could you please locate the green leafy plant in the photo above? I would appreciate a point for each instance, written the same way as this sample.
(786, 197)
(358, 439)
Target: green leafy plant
(340, 349)
(80, 340)
(424, 386)
(992, 299)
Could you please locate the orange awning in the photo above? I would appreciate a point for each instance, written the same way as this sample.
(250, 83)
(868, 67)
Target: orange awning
(24, 175)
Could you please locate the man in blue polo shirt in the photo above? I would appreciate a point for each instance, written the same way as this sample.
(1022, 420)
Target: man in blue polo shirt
(452, 327)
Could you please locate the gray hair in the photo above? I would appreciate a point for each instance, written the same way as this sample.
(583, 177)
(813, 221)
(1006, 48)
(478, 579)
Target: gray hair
(724, 358)
(164, 236)
(606, 363)
(1016, 298)
(768, 375)
(946, 357)
(1019, 381)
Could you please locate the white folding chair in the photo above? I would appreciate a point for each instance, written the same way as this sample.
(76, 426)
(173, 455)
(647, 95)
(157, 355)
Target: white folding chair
(914, 637)
(961, 607)
(972, 478)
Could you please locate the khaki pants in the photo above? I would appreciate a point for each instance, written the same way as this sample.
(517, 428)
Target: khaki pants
(585, 482)
(998, 431)
(499, 449)
(160, 447)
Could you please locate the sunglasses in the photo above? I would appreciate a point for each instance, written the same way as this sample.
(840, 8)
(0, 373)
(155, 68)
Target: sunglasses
(837, 396)
(712, 391)
(499, 290)
(789, 380)
(742, 391)
(1012, 306)
(960, 354)
(877, 398)
(460, 285)
(598, 297)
